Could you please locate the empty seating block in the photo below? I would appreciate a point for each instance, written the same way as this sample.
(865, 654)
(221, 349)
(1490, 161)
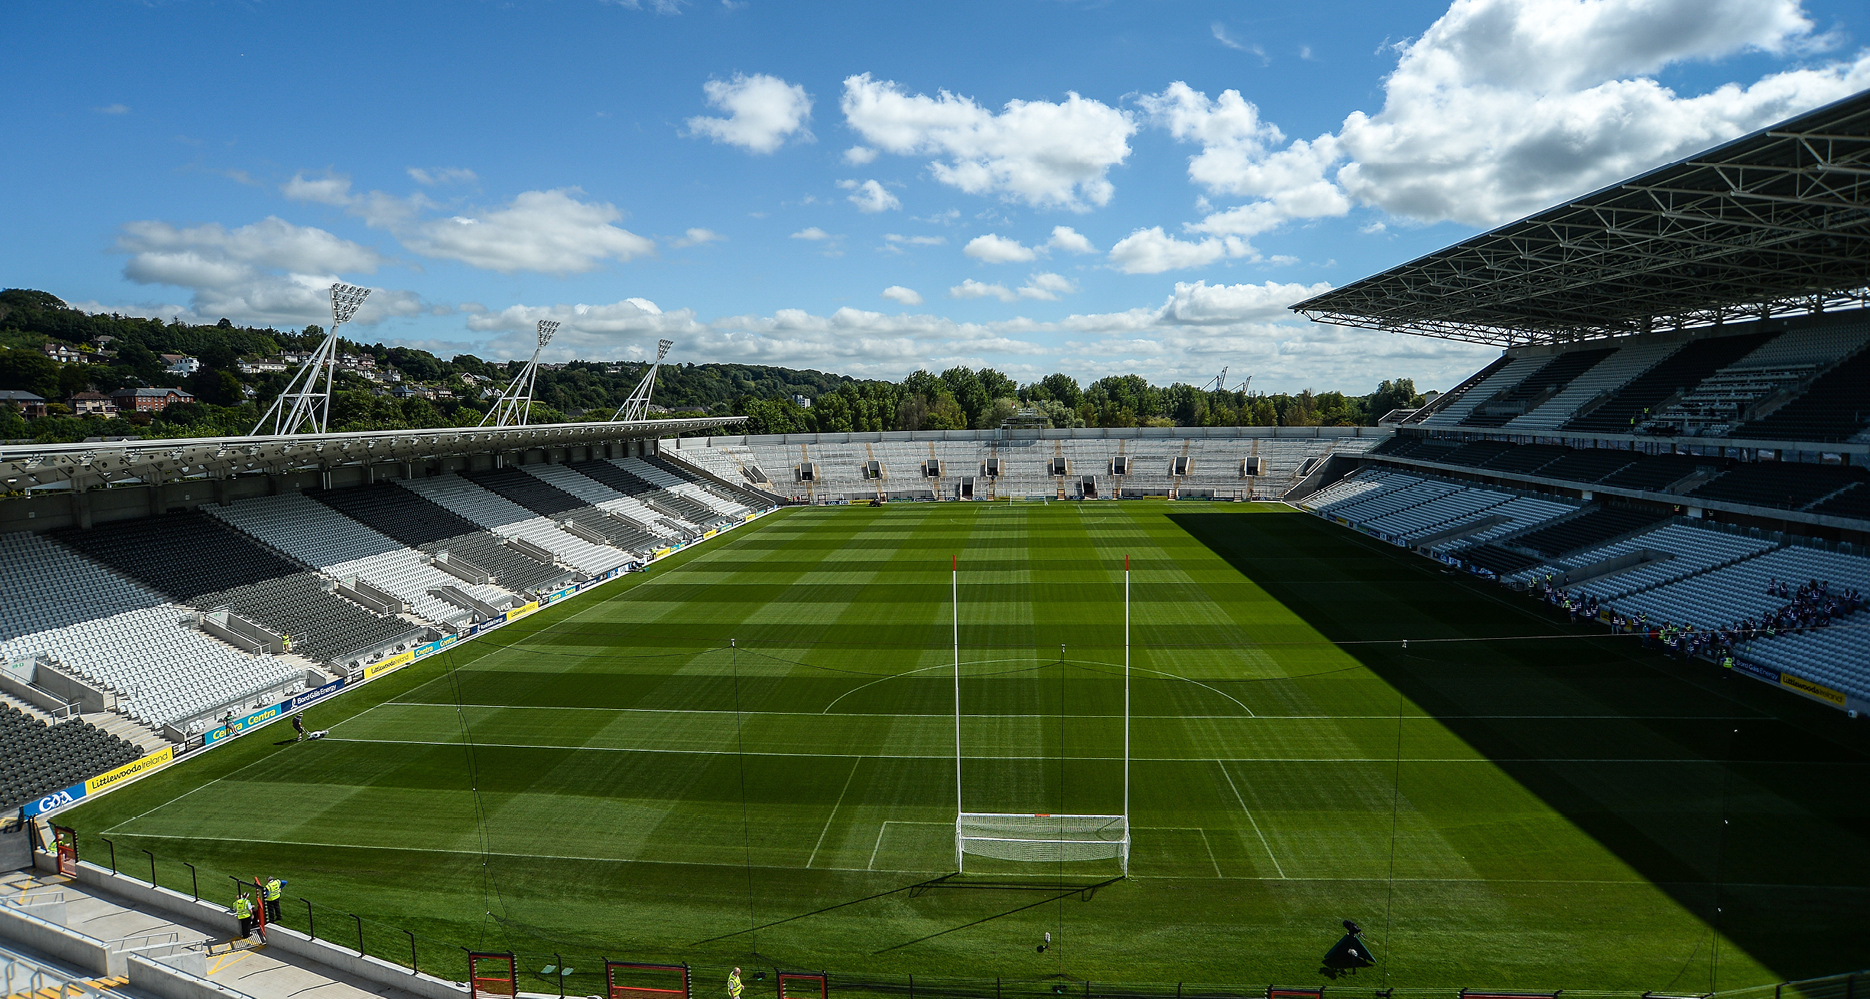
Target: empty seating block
(510, 520)
(1586, 531)
(1679, 372)
(37, 759)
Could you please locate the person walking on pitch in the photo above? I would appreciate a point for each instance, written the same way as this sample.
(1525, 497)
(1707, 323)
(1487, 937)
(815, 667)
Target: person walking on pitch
(734, 986)
(298, 725)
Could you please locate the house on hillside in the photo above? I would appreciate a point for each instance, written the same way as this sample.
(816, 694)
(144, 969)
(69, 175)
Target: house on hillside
(92, 403)
(27, 403)
(148, 400)
(62, 353)
(179, 364)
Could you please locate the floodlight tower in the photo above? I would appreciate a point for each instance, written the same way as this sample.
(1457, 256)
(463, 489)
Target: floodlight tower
(636, 407)
(303, 403)
(514, 406)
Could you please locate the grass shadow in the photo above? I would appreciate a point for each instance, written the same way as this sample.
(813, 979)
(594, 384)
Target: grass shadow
(1759, 821)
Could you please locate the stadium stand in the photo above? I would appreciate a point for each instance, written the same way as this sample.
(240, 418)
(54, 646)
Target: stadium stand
(200, 561)
(343, 548)
(433, 530)
(119, 635)
(1781, 484)
(566, 509)
(657, 515)
(1605, 377)
(1834, 408)
(1504, 377)
(633, 526)
(42, 758)
(1589, 529)
(1537, 388)
(1622, 410)
(510, 520)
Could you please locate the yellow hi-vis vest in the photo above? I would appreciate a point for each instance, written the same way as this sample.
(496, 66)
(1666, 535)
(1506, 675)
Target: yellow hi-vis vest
(272, 889)
(243, 908)
(734, 987)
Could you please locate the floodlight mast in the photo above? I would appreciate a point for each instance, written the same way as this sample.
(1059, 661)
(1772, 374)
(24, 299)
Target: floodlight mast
(514, 407)
(636, 407)
(303, 404)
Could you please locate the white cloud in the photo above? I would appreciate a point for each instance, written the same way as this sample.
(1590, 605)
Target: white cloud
(442, 175)
(994, 249)
(547, 231)
(698, 237)
(1202, 304)
(1372, 228)
(859, 155)
(971, 288)
(763, 111)
(915, 240)
(1504, 107)
(269, 272)
(1151, 251)
(898, 293)
(1070, 240)
(1251, 48)
(1501, 109)
(813, 233)
(869, 196)
(1047, 287)
(1043, 153)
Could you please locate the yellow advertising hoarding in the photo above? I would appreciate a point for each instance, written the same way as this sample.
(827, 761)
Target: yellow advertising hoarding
(154, 761)
(395, 662)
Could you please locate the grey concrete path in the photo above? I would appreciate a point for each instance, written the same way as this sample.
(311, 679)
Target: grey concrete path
(248, 967)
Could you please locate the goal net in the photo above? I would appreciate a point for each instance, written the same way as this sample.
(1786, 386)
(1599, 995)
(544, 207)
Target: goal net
(1041, 838)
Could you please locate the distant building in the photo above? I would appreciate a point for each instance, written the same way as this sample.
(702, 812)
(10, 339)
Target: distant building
(27, 403)
(90, 403)
(802, 401)
(63, 353)
(261, 365)
(148, 400)
(179, 364)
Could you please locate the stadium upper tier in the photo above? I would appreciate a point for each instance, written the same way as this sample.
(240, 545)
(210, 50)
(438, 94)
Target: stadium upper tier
(1775, 222)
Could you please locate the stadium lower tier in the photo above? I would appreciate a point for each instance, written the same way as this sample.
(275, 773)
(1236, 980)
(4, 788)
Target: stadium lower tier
(1791, 610)
(176, 620)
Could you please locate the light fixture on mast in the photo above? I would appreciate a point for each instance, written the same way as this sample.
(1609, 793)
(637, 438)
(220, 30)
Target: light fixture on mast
(514, 407)
(636, 407)
(303, 404)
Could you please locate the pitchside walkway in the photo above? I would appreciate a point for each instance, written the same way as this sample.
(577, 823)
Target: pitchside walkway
(249, 968)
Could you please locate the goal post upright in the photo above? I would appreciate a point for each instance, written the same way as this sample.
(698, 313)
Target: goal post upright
(1039, 836)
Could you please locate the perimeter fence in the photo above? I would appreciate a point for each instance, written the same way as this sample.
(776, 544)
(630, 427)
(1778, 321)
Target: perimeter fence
(577, 970)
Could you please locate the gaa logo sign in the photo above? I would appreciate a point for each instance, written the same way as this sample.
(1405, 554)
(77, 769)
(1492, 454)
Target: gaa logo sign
(52, 801)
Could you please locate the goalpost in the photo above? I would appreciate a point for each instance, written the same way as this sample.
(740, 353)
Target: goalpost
(1040, 836)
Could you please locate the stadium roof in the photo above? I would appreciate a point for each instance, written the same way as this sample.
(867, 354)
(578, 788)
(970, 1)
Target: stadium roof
(1770, 223)
(94, 463)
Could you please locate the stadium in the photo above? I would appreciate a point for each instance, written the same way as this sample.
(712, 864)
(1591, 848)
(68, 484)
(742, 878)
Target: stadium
(1554, 683)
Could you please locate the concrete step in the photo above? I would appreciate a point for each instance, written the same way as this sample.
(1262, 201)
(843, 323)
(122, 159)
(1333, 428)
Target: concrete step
(26, 706)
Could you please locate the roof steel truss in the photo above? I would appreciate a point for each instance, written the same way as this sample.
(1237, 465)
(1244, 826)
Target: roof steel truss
(1776, 222)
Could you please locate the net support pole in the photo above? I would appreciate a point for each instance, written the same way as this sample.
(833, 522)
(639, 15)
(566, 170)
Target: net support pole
(954, 589)
(1126, 707)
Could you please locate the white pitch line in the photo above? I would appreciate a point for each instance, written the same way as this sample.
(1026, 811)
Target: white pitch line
(834, 812)
(922, 714)
(1135, 759)
(1256, 825)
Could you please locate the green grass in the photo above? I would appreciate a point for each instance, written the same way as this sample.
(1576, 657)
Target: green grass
(1506, 803)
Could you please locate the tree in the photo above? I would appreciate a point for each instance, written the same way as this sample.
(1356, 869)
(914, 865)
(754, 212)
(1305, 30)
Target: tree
(218, 387)
(1397, 394)
(29, 371)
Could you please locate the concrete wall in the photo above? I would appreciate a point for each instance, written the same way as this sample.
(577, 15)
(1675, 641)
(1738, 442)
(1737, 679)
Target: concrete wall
(74, 948)
(222, 922)
(174, 983)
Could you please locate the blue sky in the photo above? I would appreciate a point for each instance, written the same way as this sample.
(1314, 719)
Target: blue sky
(1097, 188)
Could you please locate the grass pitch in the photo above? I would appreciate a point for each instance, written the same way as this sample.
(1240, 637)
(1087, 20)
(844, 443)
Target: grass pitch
(1504, 803)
